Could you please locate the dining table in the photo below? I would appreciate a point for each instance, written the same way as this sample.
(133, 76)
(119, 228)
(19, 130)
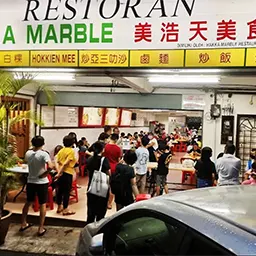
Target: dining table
(185, 170)
(172, 167)
(23, 171)
(191, 156)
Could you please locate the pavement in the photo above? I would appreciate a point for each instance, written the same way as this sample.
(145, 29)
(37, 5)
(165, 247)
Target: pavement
(56, 241)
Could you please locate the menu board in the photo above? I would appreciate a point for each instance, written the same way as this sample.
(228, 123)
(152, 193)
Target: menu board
(47, 116)
(66, 117)
(91, 117)
(126, 118)
(112, 116)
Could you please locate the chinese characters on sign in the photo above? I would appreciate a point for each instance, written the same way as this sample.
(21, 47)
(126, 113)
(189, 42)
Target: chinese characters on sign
(226, 29)
(14, 58)
(104, 58)
(152, 58)
(215, 58)
(232, 57)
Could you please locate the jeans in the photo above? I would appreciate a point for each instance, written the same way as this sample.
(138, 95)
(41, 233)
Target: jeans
(202, 183)
(64, 189)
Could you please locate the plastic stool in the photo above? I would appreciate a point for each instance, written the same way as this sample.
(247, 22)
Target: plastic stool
(48, 204)
(74, 190)
(143, 197)
(183, 148)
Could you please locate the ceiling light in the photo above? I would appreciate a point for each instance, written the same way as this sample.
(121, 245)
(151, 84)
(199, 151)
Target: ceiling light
(62, 77)
(184, 79)
(43, 70)
(47, 77)
(185, 71)
(154, 110)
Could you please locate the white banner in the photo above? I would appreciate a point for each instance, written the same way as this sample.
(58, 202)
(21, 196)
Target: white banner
(127, 24)
(193, 102)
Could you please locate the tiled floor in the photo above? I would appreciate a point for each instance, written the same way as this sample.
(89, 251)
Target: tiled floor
(81, 206)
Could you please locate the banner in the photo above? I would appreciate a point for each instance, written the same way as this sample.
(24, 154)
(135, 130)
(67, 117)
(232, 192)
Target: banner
(126, 25)
(207, 58)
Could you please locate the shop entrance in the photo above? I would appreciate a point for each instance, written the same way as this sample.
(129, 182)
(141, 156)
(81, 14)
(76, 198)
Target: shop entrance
(20, 130)
(246, 138)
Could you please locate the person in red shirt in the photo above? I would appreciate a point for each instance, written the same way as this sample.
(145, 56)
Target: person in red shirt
(113, 153)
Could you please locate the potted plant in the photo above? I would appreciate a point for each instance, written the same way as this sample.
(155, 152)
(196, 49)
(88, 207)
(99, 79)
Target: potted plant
(10, 85)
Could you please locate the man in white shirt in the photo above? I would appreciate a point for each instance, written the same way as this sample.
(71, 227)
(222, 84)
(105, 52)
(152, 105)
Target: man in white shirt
(37, 185)
(141, 165)
(152, 147)
(228, 167)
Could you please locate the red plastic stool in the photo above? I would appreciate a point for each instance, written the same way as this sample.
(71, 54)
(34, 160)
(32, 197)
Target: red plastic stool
(186, 175)
(74, 192)
(48, 204)
(142, 197)
(183, 148)
(177, 148)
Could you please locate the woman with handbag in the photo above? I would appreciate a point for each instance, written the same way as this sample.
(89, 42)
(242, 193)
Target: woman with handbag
(98, 187)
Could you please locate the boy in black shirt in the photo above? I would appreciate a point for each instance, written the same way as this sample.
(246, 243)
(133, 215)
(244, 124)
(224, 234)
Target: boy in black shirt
(163, 169)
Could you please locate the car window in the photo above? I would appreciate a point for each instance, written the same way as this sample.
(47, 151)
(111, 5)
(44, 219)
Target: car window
(147, 236)
(198, 244)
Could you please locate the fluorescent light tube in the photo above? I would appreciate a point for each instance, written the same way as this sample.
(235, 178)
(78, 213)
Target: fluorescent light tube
(184, 79)
(46, 70)
(54, 78)
(48, 77)
(185, 71)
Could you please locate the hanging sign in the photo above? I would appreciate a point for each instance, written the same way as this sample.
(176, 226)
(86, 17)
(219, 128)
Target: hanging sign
(172, 58)
(215, 58)
(14, 58)
(103, 58)
(54, 58)
(193, 102)
(126, 25)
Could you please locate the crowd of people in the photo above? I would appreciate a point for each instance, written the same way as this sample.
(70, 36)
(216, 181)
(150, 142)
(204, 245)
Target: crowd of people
(117, 168)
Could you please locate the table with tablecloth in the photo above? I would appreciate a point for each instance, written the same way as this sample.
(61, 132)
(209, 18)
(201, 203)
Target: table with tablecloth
(22, 170)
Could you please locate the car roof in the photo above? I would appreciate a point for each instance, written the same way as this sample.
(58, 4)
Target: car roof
(223, 214)
(236, 204)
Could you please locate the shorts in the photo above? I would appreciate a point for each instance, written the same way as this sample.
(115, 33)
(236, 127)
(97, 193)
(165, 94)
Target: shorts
(161, 180)
(40, 190)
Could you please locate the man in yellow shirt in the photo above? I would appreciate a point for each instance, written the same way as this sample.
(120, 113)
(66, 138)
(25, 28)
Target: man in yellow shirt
(66, 161)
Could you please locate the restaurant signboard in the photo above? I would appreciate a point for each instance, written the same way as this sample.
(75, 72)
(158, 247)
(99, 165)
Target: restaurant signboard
(130, 33)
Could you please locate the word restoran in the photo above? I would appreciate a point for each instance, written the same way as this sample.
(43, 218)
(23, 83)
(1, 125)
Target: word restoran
(106, 9)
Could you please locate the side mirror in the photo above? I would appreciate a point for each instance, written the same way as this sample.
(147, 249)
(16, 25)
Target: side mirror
(96, 246)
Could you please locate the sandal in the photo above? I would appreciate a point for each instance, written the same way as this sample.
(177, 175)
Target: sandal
(29, 225)
(59, 211)
(68, 213)
(41, 234)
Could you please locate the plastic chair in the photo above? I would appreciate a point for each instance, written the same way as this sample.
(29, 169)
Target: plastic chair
(143, 197)
(82, 163)
(49, 204)
(177, 148)
(74, 192)
(183, 148)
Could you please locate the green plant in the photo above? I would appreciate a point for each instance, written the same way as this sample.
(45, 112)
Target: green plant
(10, 85)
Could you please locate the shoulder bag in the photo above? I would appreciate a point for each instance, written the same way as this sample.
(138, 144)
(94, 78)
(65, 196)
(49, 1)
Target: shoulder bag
(100, 182)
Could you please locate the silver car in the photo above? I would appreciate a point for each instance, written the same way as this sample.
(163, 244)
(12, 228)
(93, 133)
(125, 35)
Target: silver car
(212, 221)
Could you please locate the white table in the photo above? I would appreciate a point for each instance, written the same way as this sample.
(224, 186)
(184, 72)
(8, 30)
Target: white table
(172, 167)
(18, 169)
(24, 172)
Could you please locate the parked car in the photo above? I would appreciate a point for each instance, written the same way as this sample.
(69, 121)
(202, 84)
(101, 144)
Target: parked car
(211, 221)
